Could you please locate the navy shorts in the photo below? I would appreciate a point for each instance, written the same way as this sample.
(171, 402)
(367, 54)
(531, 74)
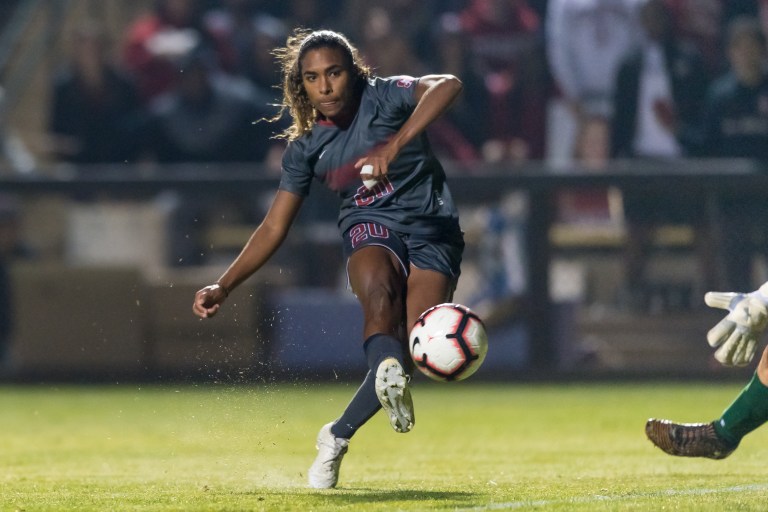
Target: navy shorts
(427, 254)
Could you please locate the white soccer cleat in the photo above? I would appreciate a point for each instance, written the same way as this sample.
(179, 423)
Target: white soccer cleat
(393, 391)
(324, 472)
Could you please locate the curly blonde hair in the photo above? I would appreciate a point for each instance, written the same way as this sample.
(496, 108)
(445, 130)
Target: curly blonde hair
(295, 98)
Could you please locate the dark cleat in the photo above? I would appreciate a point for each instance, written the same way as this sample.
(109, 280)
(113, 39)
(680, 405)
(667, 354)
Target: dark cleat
(688, 439)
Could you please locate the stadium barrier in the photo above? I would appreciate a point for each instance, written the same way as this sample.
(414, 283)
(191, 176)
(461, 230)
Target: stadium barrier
(101, 238)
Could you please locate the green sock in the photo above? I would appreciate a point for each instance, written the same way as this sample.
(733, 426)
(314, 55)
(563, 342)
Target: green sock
(746, 413)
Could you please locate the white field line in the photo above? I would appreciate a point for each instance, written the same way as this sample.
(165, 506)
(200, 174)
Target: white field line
(597, 498)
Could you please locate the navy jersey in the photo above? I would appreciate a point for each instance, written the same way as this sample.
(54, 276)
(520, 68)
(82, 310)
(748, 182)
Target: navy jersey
(412, 198)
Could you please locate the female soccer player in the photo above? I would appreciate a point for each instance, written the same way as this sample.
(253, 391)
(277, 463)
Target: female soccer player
(400, 230)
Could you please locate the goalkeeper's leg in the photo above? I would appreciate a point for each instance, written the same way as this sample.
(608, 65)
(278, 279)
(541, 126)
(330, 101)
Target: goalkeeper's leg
(720, 438)
(750, 409)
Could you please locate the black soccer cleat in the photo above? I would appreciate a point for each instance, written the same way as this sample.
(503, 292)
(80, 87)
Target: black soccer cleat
(688, 439)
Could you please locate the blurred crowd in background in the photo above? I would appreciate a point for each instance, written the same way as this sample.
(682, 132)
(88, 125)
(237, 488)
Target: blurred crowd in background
(566, 82)
(544, 79)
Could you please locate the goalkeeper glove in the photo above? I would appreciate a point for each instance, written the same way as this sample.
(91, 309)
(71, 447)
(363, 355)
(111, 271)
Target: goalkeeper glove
(738, 333)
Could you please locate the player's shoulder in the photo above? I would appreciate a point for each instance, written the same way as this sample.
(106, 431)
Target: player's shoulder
(391, 90)
(400, 81)
(307, 146)
(302, 146)
(296, 151)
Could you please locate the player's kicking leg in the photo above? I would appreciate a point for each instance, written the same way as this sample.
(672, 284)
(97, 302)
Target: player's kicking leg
(393, 391)
(688, 439)
(377, 276)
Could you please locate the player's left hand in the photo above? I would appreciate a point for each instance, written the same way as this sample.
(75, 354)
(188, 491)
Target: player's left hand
(738, 333)
(208, 300)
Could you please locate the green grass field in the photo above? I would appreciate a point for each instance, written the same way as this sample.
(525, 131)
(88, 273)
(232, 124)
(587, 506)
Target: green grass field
(475, 447)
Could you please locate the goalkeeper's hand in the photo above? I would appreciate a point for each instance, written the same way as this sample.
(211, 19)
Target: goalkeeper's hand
(737, 334)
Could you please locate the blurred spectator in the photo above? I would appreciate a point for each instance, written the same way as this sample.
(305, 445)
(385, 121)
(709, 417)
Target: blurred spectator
(158, 39)
(233, 20)
(94, 108)
(466, 127)
(259, 64)
(660, 89)
(253, 35)
(704, 23)
(700, 22)
(386, 50)
(311, 14)
(586, 41)
(735, 120)
(505, 48)
(211, 118)
(735, 125)
(411, 20)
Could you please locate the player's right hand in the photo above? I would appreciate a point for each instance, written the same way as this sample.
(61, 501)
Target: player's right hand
(208, 300)
(738, 333)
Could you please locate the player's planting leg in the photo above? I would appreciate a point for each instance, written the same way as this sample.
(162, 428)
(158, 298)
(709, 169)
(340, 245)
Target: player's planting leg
(324, 472)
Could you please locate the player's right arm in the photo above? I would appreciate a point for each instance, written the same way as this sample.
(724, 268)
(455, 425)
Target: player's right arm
(738, 334)
(434, 94)
(263, 243)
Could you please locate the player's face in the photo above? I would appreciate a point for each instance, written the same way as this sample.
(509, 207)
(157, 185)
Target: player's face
(327, 79)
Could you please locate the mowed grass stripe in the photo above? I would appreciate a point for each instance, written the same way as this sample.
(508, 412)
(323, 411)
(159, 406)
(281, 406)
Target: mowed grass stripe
(591, 500)
(241, 447)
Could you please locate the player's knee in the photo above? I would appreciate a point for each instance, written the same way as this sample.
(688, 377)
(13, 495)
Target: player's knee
(385, 296)
(382, 299)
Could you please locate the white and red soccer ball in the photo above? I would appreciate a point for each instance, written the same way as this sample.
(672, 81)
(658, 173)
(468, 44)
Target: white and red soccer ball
(448, 342)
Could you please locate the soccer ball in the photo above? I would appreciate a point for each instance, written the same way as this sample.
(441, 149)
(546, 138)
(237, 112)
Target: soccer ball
(448, 342)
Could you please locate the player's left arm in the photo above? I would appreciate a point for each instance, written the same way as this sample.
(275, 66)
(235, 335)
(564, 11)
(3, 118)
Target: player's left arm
(434, 95)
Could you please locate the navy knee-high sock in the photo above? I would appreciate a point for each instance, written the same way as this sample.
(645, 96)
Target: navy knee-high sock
(381, 346)
(365, 403)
